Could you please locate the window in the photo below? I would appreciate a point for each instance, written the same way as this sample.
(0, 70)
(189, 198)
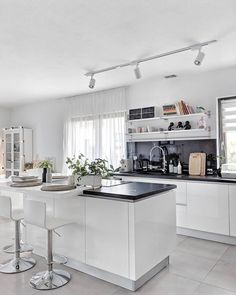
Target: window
(227, 129)
(98, 136)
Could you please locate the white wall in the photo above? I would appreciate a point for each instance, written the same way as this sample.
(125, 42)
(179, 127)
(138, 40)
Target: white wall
(4, 122)
(46, 118)
(4, 118)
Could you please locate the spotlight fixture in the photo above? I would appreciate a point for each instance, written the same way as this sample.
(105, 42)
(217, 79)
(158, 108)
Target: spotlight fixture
(92, 82)
(199, 58)
(137, 72)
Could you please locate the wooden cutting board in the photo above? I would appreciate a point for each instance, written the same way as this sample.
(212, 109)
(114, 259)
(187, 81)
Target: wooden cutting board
(203, 164)
(195, 164)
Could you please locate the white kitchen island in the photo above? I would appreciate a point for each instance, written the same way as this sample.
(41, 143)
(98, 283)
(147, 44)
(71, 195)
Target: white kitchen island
(122, 234)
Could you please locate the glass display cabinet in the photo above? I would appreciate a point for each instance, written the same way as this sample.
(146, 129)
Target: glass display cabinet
(17, 149)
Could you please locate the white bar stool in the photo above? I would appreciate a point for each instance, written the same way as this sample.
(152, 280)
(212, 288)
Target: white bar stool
(35, 214)
(18, 263)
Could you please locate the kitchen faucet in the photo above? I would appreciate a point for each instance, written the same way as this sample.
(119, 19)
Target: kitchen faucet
(163, 157)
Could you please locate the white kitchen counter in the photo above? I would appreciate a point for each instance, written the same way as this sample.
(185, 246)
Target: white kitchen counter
(125, 243)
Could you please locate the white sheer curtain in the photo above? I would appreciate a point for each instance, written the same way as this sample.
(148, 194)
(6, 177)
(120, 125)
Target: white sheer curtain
(95, 126)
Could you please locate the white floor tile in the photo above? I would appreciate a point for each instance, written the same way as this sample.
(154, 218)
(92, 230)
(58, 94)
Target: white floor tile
(190, 266)
(165, 283)
(223, 275)
(203, 248)
(180, 239)
(230, 255)
(204, 289)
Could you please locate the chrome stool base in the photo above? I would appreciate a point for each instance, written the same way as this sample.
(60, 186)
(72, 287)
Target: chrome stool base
(48, 280)
(17, 265)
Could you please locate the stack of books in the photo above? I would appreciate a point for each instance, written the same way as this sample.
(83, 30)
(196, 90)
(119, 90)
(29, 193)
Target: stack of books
(184, 109)
(181, 108)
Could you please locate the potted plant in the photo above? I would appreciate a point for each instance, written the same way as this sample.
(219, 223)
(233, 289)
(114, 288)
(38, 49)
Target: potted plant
(89, 173)
(46, 165)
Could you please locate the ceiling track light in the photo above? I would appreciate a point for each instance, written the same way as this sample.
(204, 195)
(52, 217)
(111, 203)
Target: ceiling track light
(92, 82)
(200, 56)
(137, 72)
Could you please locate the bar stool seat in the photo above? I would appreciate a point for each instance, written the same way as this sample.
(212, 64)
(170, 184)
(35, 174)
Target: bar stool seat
(35, 214)
(53, 223)
(17, 214)
(18, 263)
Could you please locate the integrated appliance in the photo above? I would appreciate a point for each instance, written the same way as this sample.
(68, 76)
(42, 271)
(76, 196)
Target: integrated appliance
(228, 170)
(126, 165)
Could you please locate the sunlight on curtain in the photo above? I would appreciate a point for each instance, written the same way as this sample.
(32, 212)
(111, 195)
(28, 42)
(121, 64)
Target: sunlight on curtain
(95, 126)
(113, 137)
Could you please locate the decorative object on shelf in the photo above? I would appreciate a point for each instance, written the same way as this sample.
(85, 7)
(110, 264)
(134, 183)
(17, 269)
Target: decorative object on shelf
(201, 124)
(96, 170)
(135, 114)
(139, 130)
(148, 112)
(187, 125)
(28, 166)
(169, 109)
(200, 109)
(180, 125)
(171, 126)
(142, 113)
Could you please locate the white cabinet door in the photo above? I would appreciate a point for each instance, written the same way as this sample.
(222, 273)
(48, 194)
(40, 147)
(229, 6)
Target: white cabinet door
(181, 215)
(181, 196)
(107, 243)
(232, 202)
(208, 207)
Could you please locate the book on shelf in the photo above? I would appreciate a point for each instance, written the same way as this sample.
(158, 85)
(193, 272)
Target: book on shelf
(184, 108)
(169, 109)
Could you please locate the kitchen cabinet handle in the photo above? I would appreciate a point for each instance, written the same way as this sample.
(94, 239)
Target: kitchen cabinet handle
(181, 204)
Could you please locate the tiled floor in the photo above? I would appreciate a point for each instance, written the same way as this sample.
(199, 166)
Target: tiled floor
(196, 267)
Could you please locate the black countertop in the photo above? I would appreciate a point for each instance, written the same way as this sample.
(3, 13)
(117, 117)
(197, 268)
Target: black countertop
(130, 191)
(150, 174)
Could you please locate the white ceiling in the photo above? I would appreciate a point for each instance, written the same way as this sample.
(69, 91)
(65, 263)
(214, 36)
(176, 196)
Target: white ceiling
(47, 46)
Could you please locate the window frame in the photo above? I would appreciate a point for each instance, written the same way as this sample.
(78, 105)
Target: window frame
(221, 151)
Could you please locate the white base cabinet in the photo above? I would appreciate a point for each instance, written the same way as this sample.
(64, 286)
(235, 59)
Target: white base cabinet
(208, 207)
(107, 235)
(232, 206)
(202, 206)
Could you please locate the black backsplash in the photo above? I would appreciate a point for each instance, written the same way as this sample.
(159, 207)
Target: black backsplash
(182, 147)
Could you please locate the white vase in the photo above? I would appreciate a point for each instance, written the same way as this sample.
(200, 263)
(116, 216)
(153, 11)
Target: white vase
(90, 180)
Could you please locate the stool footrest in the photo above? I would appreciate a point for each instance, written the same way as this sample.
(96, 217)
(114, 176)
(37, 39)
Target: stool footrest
(11, 249)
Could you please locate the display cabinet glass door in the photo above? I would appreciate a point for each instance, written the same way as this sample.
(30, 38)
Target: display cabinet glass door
(8, 154)
(16, 151)
(12, 153)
